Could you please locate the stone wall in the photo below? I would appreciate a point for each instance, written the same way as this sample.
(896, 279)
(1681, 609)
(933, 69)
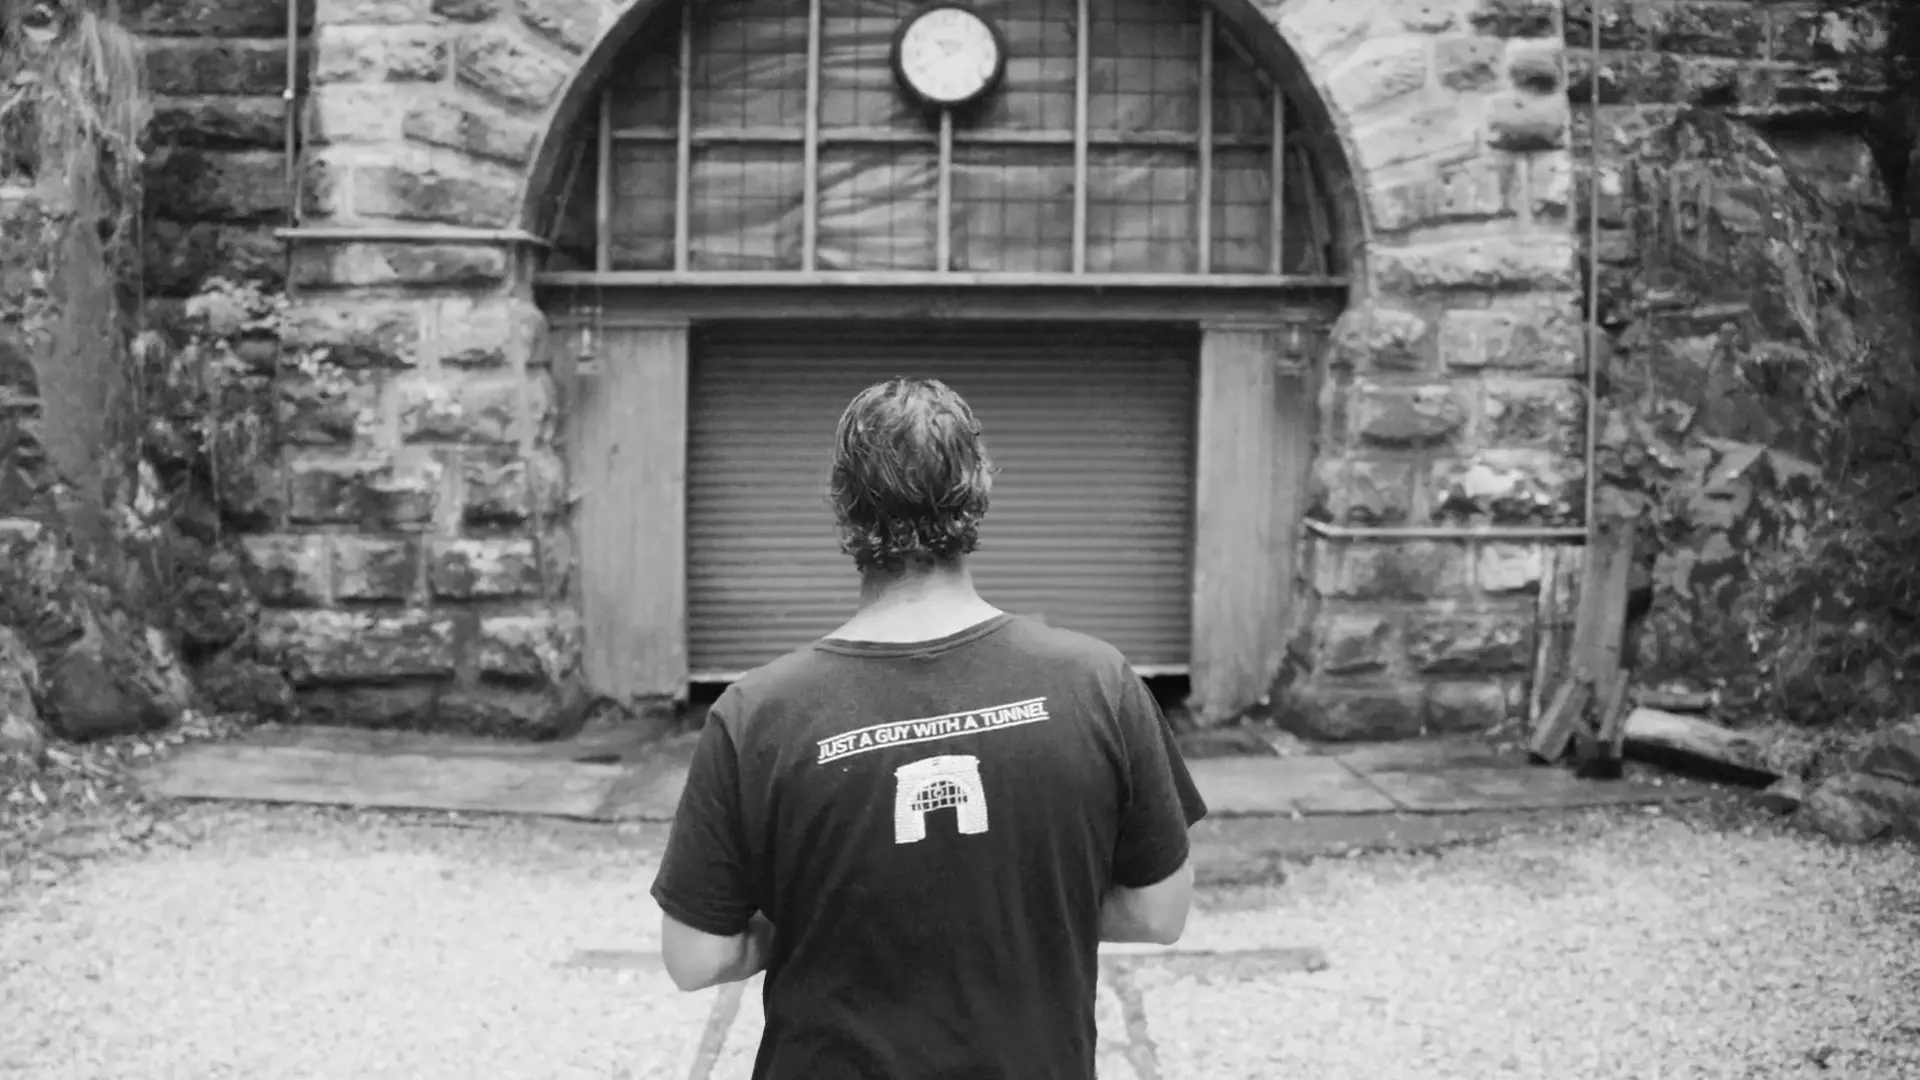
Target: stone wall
(217, 179)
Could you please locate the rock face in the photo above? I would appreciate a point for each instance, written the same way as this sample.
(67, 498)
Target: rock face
(1879, 797)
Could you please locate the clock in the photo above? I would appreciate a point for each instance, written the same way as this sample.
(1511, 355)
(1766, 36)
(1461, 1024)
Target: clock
(948, 55)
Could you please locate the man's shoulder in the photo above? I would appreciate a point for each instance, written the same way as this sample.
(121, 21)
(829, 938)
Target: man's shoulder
(1056, 644)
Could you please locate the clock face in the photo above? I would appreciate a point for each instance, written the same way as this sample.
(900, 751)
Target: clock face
(948, 56)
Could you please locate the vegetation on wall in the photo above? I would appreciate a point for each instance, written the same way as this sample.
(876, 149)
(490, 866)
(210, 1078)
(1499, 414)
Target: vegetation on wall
(1762, 413)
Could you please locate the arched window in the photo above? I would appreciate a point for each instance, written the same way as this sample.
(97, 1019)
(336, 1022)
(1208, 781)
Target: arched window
(765, 139)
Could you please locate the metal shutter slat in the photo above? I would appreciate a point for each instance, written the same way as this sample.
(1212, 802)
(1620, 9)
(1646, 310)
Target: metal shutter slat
(1091, 524)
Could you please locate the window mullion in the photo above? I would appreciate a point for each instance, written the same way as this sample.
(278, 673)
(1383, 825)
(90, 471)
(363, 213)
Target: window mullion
(683, 155)
(1204, 211)
(810, 165)
(1082, 62)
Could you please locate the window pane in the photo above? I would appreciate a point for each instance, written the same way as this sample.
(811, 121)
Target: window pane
(1013, 209)
(746, 208)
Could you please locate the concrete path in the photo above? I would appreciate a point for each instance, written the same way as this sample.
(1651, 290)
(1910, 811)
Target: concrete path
(598, 778)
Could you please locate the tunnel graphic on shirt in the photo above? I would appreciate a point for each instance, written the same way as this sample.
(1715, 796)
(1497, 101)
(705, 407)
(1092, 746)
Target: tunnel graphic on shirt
(936, 783)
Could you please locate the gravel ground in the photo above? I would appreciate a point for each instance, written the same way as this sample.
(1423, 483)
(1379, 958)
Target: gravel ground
(291, 943)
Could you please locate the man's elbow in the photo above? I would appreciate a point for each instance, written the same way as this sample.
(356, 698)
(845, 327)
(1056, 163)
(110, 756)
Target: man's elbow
(689, 976)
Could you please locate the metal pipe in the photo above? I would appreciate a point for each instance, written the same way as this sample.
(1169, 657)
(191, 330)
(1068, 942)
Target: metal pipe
(1442, 532)
(1590, 346)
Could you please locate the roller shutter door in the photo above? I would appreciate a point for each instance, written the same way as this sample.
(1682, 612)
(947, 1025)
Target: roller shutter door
(1090, 427)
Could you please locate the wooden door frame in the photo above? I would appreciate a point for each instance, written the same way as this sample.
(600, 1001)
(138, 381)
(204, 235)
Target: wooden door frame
(1244, 569)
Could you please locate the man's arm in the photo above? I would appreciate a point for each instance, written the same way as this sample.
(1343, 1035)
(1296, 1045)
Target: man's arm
(711, 930)
(1152, 888)
(696, 960)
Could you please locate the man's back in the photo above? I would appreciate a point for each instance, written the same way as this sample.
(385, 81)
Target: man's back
(932, 828)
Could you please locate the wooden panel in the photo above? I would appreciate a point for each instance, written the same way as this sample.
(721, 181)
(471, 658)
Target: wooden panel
(1241, 568)
(628, 461)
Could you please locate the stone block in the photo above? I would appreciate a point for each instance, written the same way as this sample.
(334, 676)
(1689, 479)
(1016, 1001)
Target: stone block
(1546, 414)
(1623, 27)
(485, 332)
(195, 66)
(1537, 67)
(1509, 487)
(571, 24)
(1381, 70)
(406, 265)
(210, 18)
(1438, 135)
(349, 646)
(1468, 63)
(449, 193)
(219, 123)
(353, 113)
(1524, 123)
(1828, 34)
(410, 706)
(559, 563)
(1358, 714)
(188, 184)
(490, 568)
(1535, 261)
(459, 409)
(291, 571)
(1376, 337)
(1364, 492)
(354, 333)
(371, 569)
(328, 406)
(1389, 570)
(1540, 334)
(1407, 417)
(374, 495)
(383, 54)
(481, 132)
(1478, 190)
(1466, 707)
(502, 486)
(498, 62)
(369, 12)
(1501, 568)
(540, 713)
(182, 255)
(1471, 644)
(467, 11)
(529, 648)
(1517, 18)
(1737, 31)
(1894, 753)
(1354, 643)
(1548, 187)
(1426, 16)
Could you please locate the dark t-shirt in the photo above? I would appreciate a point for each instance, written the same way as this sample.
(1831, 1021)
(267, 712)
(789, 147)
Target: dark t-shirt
(931, 829)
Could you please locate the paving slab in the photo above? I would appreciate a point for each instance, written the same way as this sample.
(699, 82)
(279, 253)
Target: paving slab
(1461, 789)
(1275, 786)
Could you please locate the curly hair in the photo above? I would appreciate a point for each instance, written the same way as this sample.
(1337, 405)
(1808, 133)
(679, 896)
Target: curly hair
(910, 474)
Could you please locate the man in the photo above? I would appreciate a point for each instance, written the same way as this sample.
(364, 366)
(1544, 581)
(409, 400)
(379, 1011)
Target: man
(942, 808)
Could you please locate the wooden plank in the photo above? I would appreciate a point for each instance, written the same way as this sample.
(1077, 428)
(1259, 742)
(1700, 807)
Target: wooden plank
(1610, 721)
(1295, 406)
(1695, 744)
(909, 279)
(1236, 610)
(1204, 210)
(943, 224)
(1556, 728)
(630, 467)
(465, 783)
(683, 155)
(1545, 620)
(603, 188)
(810, 134)
(1603, 601)
(1082, 72)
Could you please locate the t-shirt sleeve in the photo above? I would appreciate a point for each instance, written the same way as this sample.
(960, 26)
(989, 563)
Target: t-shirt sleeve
(704, 880)
(1162, 800)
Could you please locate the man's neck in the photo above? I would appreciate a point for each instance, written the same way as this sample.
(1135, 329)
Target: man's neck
(922, 601)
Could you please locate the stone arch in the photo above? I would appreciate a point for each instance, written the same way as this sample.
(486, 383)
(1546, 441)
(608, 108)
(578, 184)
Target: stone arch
(1449, 395)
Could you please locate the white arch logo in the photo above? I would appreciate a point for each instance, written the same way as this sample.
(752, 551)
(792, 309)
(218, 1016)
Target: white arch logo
(936, 783)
